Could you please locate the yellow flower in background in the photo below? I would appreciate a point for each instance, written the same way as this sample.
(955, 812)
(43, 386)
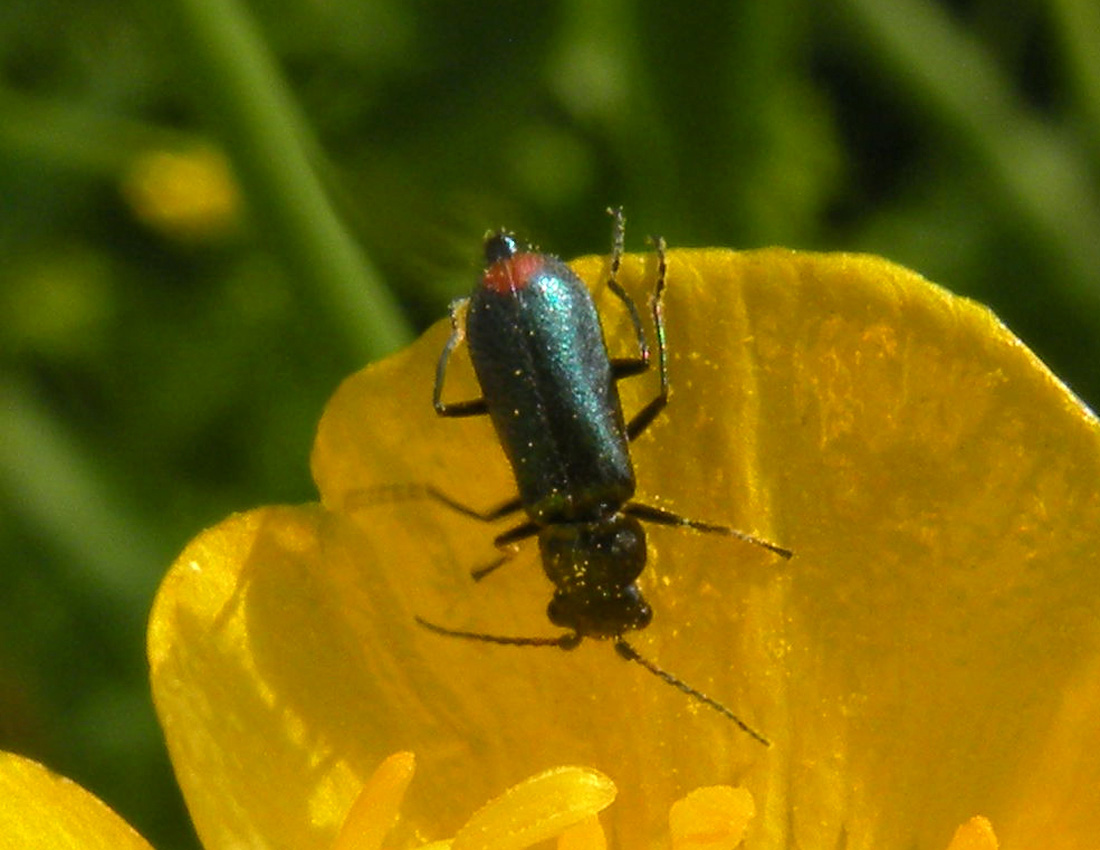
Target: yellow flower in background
(186, 194)
(927, 666)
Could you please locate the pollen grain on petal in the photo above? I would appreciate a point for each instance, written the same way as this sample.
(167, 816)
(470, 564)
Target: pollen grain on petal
(975, 834)
(376, 809)
(537, 809)
(711, 818)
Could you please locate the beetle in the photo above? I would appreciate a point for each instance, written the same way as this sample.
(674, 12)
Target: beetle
(550, 389)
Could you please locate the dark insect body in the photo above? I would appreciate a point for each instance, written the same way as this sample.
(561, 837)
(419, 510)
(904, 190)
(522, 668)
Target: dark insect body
(550, 389)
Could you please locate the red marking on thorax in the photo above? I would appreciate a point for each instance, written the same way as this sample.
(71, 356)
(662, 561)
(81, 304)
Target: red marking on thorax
(513, 273)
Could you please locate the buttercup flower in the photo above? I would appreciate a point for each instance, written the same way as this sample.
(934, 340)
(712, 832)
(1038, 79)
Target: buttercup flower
(926, 666)
(187, 195)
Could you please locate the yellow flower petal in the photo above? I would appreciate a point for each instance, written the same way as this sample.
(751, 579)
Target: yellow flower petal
(537, 809)
(713, 818)
(249, 674)
(924, 649)
(39, 809)
(1066, 761)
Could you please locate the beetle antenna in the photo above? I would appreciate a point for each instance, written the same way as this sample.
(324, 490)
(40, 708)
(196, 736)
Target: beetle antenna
(628, 652)
(568, 640)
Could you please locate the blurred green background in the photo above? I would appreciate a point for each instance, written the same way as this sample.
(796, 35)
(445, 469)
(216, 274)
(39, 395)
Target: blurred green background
(170, 333)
